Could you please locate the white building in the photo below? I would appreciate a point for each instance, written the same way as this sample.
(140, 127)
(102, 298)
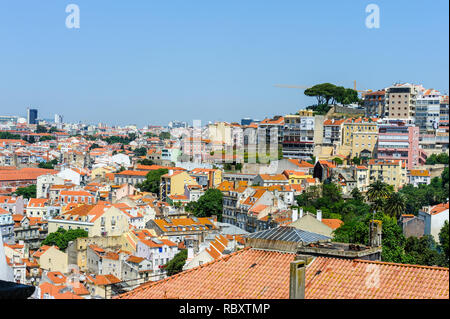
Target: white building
(419, 177)
(44, 182)
(158, 251)
(434, 217)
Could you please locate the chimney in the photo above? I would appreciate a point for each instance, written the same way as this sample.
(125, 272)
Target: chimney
(294, 214)
(375, 233)
(297, 279)
(190, 253)
(301, 213)
(319, 215)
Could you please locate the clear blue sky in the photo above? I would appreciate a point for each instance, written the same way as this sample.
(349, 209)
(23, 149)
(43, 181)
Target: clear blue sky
(147, 62)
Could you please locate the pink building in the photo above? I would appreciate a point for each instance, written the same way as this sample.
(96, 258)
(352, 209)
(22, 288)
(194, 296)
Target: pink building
(398, 140)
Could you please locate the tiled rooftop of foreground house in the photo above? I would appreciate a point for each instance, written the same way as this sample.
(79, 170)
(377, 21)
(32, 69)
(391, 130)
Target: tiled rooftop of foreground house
(253, 273)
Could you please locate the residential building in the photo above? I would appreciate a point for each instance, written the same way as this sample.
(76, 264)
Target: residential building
(398, 140)
(392, 172)
(419, 177)
(434, 218)
(50, 258)
(158, 252)
(374, 103)
(301, 135)
(97, 220)
(427, 113)
(400, 101)
(6, 226)
(173, 183)
(359, 137)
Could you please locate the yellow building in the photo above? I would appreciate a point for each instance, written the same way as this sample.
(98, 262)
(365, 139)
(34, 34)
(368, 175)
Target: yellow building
(97, 220)
(173, 183)
(295, 177)
(359, 136)
(214, 175)
(51, 258)
(100, 172)
(392, 172)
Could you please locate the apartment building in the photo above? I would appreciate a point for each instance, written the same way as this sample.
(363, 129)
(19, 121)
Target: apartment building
(392, 172)
(359, 137)
(130, 177)
(400, 101)
(301, 134)
(271, 130)
(418, 177)
(332, 130)
(398, 140)
(6, 226)
(173, 183)
(374, 103)
(97, 220)
(427, 113)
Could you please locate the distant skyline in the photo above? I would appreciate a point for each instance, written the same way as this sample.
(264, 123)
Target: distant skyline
(150, 62)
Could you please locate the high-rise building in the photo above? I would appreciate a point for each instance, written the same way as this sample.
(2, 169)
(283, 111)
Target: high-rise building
(427, 111)
(399, 140)
(58, 118)
(300, 135)
(32, 115)
(400, 101)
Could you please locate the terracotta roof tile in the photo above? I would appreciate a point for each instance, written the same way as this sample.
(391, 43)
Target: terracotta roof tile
(249, 274)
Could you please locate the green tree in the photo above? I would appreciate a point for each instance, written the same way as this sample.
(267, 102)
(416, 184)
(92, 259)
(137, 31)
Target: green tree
(443, 240)
(47, 165)
(377, 190)
(322, 92)
(26, 192)
(46, 138)
(210, 203)
(164, 135)
(146, 161)
(152, 181)
(175, 265)
(142, 151)
(422, 251)
(338, 161)
(62, 237)
(356, 194)
(357, 231)
(395, 204)
(41, 129)
(9, 136)
(94, 146)
(356, 160)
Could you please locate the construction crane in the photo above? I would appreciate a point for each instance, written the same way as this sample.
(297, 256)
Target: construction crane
(360, 91)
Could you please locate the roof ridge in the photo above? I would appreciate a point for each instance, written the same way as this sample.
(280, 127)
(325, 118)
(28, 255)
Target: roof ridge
(151, 284)
(399, 264)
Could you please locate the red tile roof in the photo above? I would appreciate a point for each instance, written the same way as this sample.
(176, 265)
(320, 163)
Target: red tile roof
(332, 278)
(438, 208)
(332, 222)
(252, 274)
(248, 273)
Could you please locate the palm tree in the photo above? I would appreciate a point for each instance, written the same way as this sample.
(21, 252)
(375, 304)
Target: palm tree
(378, 205)
(395, 204)
(378, 191)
